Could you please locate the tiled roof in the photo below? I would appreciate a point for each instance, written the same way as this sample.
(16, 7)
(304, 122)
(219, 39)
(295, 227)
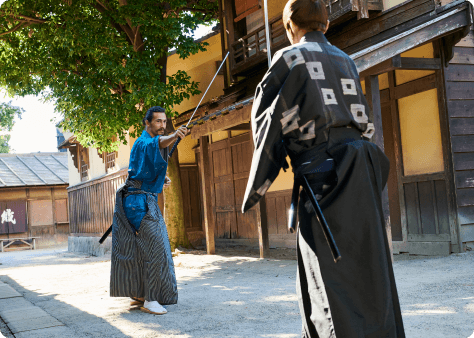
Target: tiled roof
(33, 169)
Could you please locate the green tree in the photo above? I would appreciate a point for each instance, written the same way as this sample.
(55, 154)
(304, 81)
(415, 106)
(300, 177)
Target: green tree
(7, 120)
(103, 62)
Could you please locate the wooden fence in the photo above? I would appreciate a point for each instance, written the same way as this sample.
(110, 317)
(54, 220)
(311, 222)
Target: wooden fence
(91, 204)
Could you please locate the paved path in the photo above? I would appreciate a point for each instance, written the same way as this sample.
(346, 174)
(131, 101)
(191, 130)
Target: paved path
(228, 295)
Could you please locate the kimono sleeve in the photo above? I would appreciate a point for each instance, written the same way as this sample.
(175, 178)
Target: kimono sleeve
(272, 99)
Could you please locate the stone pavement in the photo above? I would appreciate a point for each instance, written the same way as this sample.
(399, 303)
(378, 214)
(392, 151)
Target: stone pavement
(22, 317)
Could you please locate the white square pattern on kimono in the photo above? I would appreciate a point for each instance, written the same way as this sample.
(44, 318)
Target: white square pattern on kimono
(329, 96)
(263, 189)
(290, 119)
(315, 70)
(311, 46)
(358, 111)
(307, 131)
(348, 87)
(293, 57)
(369, 132)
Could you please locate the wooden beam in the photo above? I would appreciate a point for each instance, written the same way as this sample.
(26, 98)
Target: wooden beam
(420, 63)
(373, 99)
(263, 241)
(234, 118)
(444, 24)
(398, 62)
(415, 87)
(206, 195)
(383, 67)
(243, 126)
(262, 223)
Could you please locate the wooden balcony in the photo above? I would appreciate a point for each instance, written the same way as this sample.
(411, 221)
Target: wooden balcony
(340, 11)
(251, 49)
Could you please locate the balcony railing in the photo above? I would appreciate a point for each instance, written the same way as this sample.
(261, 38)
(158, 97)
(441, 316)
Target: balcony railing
(251, 49)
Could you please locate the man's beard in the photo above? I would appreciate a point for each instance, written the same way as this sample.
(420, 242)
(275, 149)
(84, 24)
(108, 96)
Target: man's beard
(161, 131)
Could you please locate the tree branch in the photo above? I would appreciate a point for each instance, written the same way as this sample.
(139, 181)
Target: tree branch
(14, 29)
(30, 19)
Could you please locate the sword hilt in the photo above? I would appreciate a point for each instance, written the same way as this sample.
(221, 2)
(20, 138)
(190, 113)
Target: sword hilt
(175, 145)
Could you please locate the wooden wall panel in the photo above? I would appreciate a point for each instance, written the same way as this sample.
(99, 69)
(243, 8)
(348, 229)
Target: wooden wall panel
(464, 179)
(277, 206)
(462, 108)
(466, 214)
(61, 211)
(459, 77)
(442, 206)
(462, 144)
(191, 197)
(463, 161)
(411, 202)
(7, 194)
(427, 209)
(91, 205)
(40, 212)
(465, 197)
(462, 126)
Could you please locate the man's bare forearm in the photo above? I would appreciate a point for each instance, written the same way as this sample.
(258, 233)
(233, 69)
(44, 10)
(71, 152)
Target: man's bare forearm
(166, 141)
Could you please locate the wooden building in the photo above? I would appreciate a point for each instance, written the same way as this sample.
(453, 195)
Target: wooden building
(416, 64)
(33, 197)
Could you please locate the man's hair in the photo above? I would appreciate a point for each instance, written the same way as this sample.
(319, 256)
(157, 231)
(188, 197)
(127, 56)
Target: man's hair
(149, 113)
(310, 15)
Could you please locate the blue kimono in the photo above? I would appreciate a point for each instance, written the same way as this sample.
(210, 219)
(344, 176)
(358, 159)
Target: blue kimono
(148, 164)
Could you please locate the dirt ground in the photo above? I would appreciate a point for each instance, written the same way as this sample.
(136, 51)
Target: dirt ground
(231, 294)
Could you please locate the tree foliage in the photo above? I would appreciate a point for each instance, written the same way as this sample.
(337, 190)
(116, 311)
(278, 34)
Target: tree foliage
(7, 120)
(101, 61)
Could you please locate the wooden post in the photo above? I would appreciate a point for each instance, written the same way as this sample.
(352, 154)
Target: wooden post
(375, 114)
(206, 194)
(261, 208)
(263, 241)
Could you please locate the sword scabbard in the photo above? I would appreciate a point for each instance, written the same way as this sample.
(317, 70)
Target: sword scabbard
(319, 215)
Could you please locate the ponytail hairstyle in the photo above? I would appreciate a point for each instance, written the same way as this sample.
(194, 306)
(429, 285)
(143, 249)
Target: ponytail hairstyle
(149, 114)
(310, 15)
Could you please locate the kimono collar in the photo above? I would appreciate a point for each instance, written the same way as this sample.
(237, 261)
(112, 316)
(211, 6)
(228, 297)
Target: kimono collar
(314, 36)
(145, 134)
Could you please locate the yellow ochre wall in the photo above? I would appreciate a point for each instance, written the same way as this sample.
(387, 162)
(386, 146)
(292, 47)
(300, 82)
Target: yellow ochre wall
(420, 133)
(201, 67)
(275, 7)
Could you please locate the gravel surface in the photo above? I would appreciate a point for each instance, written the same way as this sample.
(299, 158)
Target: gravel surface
(231, 294)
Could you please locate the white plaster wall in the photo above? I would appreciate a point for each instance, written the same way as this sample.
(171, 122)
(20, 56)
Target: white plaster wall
(96, 164)
(123, 155)
(74, 177)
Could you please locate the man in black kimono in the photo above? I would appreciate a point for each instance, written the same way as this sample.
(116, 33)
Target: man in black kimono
(310, 105)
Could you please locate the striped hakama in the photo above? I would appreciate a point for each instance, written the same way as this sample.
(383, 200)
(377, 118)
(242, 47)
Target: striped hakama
(142, 264)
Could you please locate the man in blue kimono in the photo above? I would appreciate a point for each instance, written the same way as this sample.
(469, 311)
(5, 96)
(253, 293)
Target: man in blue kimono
(142, 265)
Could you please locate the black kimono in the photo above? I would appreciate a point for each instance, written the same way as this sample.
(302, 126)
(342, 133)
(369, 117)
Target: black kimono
(310, 106)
